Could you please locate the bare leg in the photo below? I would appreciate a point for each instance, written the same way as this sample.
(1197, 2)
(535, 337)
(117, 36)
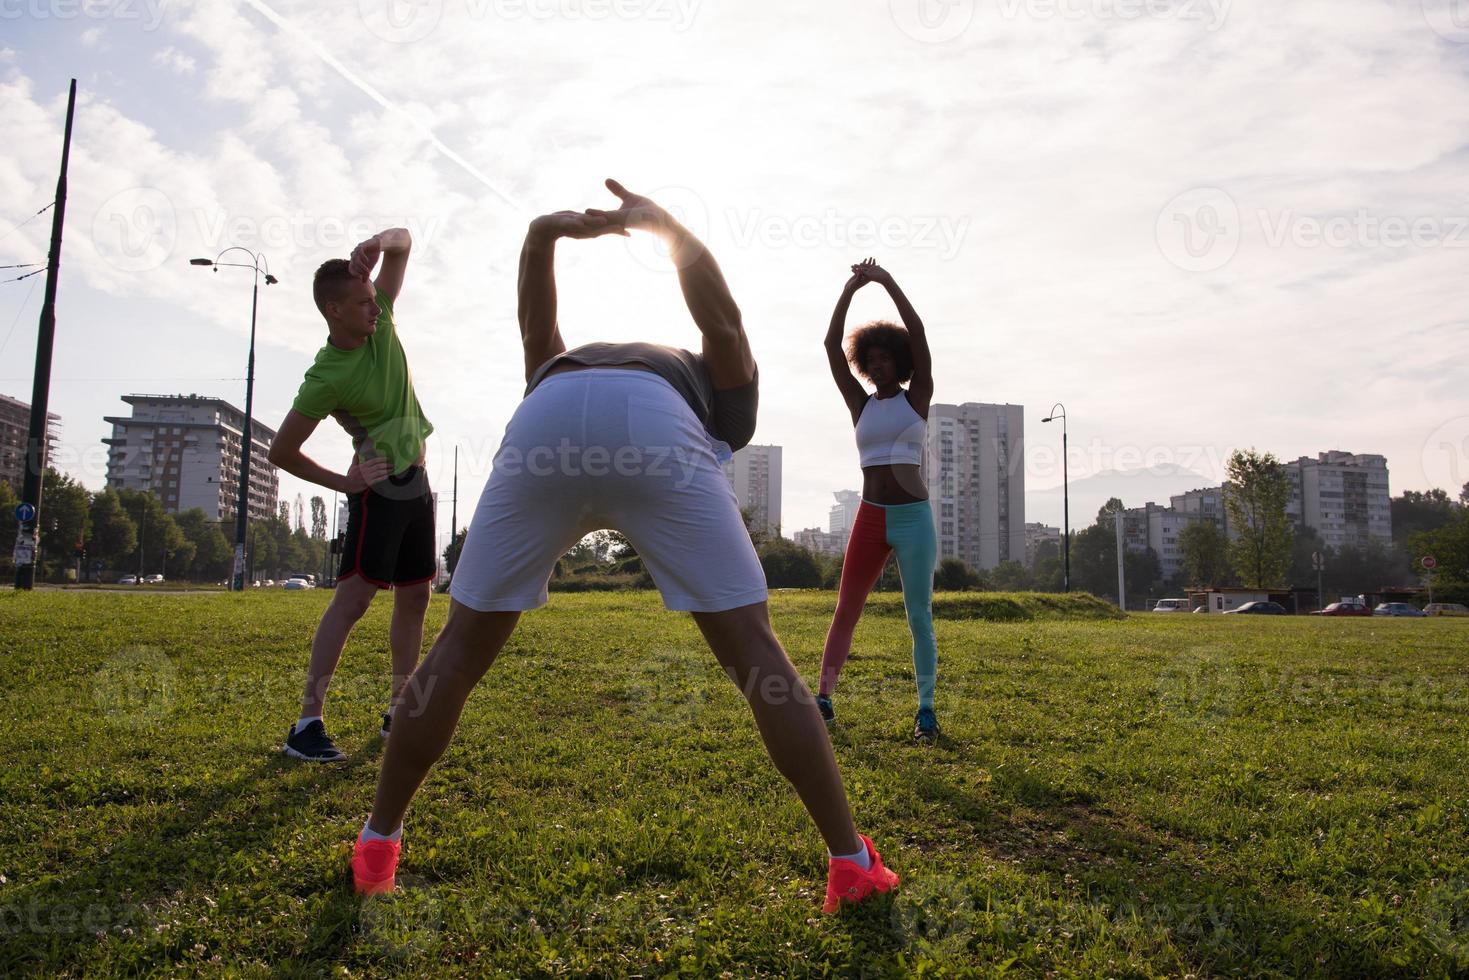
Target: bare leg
(410, 605)
(350, 601)
(794, 734)
(432, 701)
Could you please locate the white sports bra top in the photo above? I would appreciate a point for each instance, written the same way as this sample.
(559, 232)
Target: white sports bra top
(890, 432)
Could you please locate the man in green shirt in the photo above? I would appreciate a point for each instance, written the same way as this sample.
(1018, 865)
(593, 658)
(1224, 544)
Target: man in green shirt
(360, 378)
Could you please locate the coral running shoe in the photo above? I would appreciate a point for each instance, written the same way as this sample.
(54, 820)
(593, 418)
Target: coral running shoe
(374, 863)
(847, 882)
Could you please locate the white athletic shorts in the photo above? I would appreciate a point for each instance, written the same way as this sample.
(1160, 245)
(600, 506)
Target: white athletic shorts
(608, 448)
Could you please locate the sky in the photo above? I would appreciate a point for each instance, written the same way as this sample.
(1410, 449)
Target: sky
(1198, 224)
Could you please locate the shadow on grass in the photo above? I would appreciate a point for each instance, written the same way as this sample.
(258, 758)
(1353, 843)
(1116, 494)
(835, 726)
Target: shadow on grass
(1103, 871)
(203, 841)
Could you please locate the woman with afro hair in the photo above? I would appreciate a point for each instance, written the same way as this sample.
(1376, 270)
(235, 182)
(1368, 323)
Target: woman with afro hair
(894, 515)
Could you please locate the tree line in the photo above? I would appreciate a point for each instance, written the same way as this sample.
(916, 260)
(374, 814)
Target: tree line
(129, 532)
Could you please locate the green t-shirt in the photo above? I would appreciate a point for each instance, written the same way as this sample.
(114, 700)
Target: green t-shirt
(370, 392)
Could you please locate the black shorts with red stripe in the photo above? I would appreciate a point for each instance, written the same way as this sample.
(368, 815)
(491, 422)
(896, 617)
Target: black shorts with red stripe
(390, 532)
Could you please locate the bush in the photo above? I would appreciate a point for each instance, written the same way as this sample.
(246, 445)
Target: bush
(789, 566)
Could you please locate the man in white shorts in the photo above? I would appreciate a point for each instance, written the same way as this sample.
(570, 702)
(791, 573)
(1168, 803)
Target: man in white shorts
(629, 437)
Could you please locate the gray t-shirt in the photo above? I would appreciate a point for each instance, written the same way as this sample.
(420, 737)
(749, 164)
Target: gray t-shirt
(729, 415)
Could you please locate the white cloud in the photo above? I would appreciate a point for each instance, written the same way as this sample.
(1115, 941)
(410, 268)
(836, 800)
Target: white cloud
(174, 60)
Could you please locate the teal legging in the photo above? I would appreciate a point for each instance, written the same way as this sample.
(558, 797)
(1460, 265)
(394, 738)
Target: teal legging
(878, 530)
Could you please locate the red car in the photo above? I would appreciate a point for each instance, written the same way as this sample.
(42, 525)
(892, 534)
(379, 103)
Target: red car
(1345, 609)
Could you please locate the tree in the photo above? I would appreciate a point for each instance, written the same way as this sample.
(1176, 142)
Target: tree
(955, 576)
(1255, 497)
(318, 519)
(456, 545)
(1143, 571)
(1464, 495)
(789, 566)
(8, 502)
(1306, 543)
(1414, 512)
(1205, 552)
(114, 533)
(65, 521)
(1011, 576)
(1449, 546)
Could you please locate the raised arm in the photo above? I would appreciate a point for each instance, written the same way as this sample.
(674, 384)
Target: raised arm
(392, 246)
(540, 333)
(841, 372)
(726, 348)
(920, 389)
(285, 452)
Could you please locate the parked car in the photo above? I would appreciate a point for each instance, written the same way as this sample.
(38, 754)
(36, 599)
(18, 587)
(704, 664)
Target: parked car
(1398, 609)
(1171, 605)
(1259, 609)
(154, 579)
(296, 584)
(128, 580)
(1344, 609)
(1446, 609)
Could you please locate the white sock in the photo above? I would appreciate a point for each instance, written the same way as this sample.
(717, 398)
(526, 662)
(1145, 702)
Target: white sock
(861, 858)
(369, 834)
(302, 723)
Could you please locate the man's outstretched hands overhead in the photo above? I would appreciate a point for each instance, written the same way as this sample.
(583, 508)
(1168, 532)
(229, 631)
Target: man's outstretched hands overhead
(575, 224)
(637, 211)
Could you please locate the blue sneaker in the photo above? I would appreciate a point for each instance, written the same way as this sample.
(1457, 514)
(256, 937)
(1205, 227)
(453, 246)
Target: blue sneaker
(925, 726)
(823, 705)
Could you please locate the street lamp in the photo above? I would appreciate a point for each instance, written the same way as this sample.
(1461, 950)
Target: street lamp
(257, 265)
(1065, 496)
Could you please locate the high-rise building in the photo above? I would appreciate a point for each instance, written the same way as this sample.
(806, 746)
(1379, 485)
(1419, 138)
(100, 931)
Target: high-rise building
(1344, 496)
(1037, 535)
(1157, 527)
(1206, 503)
(843, 514)
(186, 450)
(755, 473)
(15, 429)
(974, 466)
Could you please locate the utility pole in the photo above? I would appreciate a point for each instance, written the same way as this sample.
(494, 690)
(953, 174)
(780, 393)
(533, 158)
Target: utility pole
(28, 515)
(454, 516)
(1121, 579)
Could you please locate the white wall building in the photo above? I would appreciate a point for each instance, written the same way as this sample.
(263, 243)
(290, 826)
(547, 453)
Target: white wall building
(754, 472)
(974, 466)
(1344, 496)
(1157, 527)
(185, 449)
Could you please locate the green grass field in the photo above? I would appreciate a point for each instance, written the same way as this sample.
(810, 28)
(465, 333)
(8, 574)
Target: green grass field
(1146, 796)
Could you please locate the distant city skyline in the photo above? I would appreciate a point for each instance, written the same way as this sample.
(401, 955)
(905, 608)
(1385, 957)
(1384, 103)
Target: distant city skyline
(1270, 255)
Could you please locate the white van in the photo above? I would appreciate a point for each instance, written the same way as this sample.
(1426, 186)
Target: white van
(1171, 605)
